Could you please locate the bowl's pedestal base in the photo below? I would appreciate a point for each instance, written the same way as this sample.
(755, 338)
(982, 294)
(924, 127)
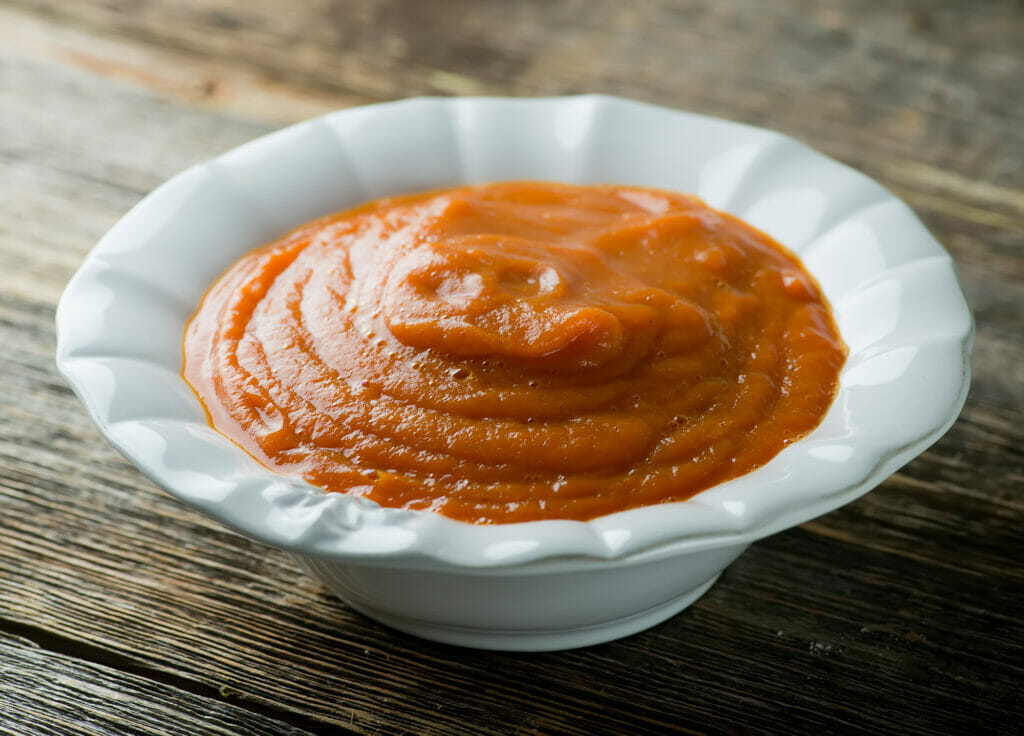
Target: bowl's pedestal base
(540, 641)
(527, 608)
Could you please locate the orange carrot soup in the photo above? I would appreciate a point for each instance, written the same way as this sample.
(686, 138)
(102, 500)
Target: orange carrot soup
(517, 351)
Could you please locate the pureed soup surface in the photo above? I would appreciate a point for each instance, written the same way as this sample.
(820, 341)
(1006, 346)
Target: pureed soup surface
(517, 351)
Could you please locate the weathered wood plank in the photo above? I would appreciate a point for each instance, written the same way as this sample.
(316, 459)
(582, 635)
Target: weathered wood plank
(50, 694)
(851, 77)
(898, 613)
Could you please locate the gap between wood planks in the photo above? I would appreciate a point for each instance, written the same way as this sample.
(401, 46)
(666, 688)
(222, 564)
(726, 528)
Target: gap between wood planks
(81, 650)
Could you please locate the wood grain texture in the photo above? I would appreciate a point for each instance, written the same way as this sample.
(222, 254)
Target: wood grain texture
(51, 694)
(899, 613)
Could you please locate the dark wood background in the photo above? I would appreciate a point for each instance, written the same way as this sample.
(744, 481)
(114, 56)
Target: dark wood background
(122, 612)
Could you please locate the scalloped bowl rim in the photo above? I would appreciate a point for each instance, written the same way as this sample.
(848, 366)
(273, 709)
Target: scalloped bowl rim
(291, 514)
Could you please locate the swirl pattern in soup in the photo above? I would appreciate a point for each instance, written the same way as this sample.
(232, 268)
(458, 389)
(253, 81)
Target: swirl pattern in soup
(517, 351)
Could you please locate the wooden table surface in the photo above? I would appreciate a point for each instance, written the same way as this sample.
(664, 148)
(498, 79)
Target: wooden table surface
(122, 612)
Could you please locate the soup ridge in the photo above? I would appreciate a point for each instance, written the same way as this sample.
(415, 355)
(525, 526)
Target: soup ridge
(517, 351)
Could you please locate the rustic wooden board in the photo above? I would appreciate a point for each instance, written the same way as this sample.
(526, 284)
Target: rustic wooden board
(52, 694)
(899, 613)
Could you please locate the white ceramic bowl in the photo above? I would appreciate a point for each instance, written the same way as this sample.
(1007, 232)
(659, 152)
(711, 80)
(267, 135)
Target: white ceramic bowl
(536, 585)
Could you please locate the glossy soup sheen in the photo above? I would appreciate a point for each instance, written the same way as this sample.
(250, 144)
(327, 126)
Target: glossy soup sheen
(517, 351)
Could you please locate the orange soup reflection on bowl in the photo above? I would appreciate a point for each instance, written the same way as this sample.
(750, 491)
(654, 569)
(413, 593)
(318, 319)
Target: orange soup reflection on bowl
(517, 351)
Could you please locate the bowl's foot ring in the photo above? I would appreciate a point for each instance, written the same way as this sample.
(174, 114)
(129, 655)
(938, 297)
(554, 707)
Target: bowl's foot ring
(541, 640)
